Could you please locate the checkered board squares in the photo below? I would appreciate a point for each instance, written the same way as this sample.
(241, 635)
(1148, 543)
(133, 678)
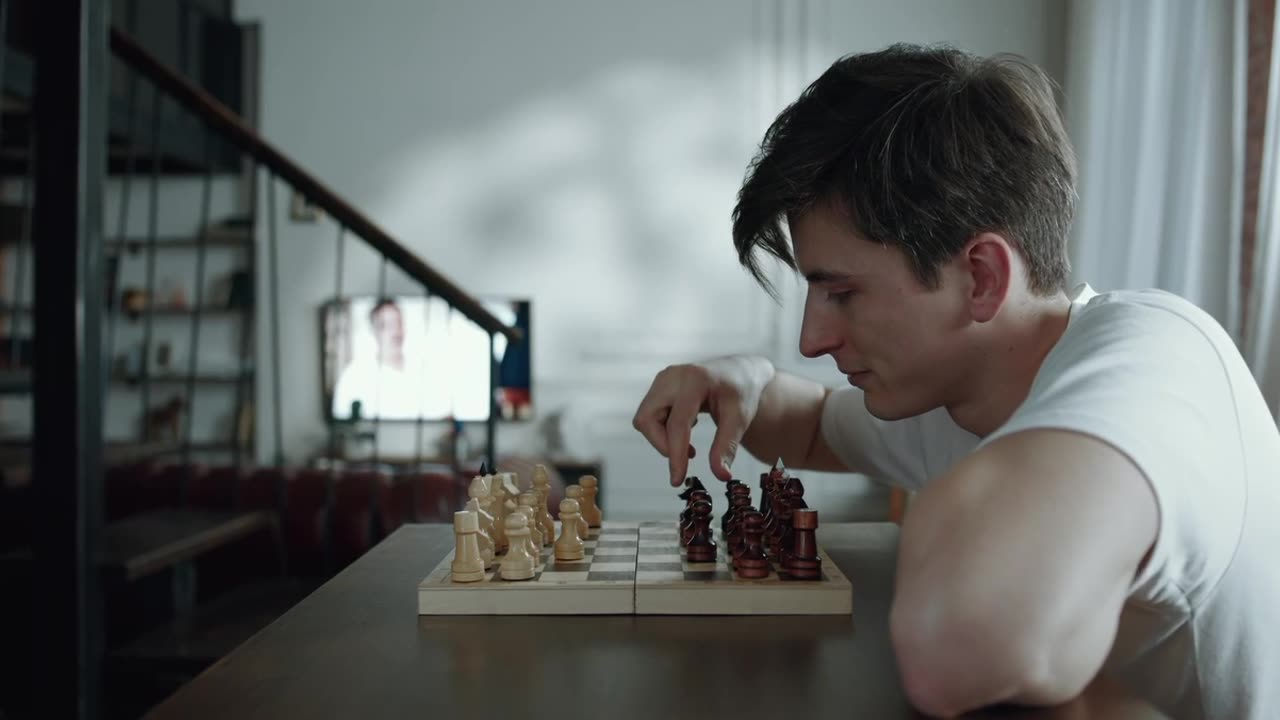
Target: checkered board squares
(636, 568)
(602, 583)
(668, 584)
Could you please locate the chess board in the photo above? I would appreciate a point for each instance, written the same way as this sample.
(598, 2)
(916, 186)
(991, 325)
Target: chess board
(668, 584)
(602, 583)
(637, 568)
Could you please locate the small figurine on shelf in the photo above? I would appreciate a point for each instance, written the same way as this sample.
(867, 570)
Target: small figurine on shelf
(165, 422)
(134, 301)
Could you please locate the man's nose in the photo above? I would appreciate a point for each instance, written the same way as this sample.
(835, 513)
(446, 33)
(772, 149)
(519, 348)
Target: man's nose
(819, 334)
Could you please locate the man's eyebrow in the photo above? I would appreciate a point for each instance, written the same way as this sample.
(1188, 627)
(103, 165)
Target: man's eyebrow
(827, 276)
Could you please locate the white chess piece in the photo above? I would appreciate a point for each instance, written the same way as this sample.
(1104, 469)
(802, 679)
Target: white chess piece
(498, 508)
(569, 545)
(518, 564)
(467, 566)
(590, 511)
(574, 492)
(542, 485)
(530, 500)
(535, 537)
(479, 505)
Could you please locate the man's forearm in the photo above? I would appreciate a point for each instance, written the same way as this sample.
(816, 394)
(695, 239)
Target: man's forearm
(787, 421)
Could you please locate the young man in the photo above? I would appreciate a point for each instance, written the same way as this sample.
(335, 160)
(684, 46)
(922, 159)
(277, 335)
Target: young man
(1098, 474)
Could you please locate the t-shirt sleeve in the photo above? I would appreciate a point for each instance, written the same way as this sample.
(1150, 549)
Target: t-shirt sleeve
(1150, 381)
(891, 452)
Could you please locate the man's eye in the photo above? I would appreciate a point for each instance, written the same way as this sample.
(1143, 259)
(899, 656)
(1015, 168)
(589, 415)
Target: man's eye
(839, 298)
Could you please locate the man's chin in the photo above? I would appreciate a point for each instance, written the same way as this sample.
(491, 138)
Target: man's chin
(886, 411)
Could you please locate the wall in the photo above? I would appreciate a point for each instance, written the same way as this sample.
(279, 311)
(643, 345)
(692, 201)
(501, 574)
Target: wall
(580, 153)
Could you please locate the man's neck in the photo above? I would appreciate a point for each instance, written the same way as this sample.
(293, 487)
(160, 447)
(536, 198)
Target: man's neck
(1007, 365)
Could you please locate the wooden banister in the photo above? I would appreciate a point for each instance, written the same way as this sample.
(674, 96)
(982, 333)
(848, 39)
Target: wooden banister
(223, 120)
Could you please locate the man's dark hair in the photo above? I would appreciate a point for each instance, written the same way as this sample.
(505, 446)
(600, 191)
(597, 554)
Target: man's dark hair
(921, 148)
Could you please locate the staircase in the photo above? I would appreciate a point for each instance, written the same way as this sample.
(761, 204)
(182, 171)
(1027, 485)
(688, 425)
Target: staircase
(124, 392)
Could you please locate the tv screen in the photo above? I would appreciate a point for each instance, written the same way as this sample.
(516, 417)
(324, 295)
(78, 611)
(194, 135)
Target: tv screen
(414, 357)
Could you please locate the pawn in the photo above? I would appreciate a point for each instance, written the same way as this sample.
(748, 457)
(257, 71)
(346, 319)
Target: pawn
(530, 500)
(518, 564)
(467, 565)
(569, 545)
(534, 539)
(542, 486)
(498, 508)
(574, 492)
(751, 561)
(686, 516)
(590, 511)
(701, 547)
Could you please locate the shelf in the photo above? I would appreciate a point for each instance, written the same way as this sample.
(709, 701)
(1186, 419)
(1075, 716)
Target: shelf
(181, 379)
(235, 241)
(9, 309)
(162, 311)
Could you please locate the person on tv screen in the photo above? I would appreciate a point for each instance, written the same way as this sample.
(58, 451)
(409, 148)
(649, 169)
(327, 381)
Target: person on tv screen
(381, 383)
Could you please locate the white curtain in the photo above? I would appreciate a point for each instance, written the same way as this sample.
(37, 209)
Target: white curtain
(1262, 347)
(1155, 105)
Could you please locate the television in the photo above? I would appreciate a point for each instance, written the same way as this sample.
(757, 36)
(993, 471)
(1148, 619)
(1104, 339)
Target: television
(411, 358)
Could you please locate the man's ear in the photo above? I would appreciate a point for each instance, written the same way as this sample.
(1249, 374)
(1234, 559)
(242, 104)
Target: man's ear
(988, 259)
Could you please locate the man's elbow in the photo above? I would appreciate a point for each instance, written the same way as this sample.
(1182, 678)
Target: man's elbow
(951, 665)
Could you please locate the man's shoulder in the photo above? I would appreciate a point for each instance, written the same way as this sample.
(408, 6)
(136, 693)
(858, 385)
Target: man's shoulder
(1140, 320)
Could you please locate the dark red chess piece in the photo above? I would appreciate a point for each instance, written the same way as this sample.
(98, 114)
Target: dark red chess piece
(738, 540)
(686, 517)
(751, 561)
(739, 502)
(701, 547)
(732, 489)
(793, 497)
(777, 538)
(803, 562)
(691, 484)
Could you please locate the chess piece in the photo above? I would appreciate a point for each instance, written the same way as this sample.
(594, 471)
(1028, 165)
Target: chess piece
(479, 505)
(802, 561)
(686, 517)
(702, 546)
(467, 565)
(535, 534)
(498, 508)
(574, 492)
(590, 511)
(729, 489)
(569, 545)
(519, 564)
(751, 561)
(691, 483)
(542, 486)
(792, 498)
(529, 499)
(739, 497)
(734, 533)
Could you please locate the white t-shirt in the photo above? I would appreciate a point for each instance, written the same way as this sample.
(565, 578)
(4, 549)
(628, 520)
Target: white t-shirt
(1158, 379)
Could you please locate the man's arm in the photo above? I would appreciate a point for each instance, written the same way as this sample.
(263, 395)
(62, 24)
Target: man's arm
(780, 415)
(788, 425)
(1013, 569)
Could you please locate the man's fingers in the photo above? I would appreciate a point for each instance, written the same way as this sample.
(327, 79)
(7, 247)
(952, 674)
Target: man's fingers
(652, 423)
(724, 448)
(679, 427)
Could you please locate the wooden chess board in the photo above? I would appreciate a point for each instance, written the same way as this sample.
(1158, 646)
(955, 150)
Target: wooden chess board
(636, 568)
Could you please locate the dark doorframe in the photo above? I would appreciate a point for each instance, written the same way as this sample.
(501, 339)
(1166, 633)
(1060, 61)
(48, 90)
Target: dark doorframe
(70, 162)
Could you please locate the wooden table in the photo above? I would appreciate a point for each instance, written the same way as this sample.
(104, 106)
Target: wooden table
(357, 648)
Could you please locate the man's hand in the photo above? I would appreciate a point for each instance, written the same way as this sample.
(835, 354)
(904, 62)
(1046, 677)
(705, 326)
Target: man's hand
(729, 388)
